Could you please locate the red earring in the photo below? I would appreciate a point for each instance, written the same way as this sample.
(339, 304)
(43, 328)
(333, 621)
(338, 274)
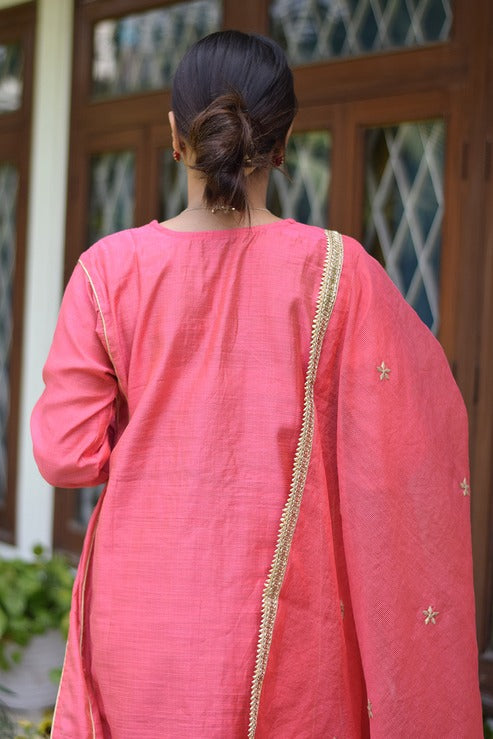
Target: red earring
(176, 155)
(278, 160)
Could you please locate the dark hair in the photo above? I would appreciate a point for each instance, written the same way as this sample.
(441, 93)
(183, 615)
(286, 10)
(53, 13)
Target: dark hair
(233, 100)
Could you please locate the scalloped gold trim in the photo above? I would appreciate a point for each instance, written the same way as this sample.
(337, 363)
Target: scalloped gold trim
(272, 588)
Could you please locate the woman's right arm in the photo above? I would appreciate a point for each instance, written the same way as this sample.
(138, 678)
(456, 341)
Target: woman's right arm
(72, 423)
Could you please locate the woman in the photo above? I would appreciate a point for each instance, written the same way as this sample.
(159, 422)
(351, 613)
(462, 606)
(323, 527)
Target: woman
(282, 549)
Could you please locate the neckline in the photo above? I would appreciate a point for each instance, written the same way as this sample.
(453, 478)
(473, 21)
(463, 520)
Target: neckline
(221, 231)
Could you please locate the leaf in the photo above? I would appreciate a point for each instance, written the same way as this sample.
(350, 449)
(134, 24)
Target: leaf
(55, 675)
(14, 602)
(4, 622)
(16, 656)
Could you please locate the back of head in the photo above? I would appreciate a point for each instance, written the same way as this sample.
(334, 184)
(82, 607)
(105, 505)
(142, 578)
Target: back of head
(233, 100)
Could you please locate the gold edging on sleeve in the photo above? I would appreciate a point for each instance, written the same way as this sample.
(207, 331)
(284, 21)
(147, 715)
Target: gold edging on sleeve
(96, 297)
(272, 588)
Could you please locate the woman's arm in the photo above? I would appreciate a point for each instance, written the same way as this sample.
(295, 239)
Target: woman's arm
(72, 424)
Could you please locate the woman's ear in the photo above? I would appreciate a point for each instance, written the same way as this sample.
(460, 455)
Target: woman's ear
(175, 137)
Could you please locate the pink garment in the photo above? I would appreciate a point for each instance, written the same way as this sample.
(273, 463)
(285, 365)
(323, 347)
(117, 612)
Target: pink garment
(177, 375)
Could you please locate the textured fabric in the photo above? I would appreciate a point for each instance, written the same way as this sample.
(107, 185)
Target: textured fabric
(176, 375)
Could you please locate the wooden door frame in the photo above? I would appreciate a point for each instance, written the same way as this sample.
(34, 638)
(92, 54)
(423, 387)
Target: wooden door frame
(17, 24)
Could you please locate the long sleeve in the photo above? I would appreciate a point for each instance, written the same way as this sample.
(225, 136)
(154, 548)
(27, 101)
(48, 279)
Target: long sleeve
(404, 495)
(72, 424)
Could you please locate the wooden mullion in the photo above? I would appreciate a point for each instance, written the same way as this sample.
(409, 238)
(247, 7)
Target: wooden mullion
(251, 16)
(17, 334)
(482, 494)
(93, 11)
(15, 17)
(469, 297)
(124, 112)
(17, 23)
(382, 74)
(65, 537)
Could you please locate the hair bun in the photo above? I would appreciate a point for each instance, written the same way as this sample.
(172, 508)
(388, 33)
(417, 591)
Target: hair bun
(223, 140)
(233, 100)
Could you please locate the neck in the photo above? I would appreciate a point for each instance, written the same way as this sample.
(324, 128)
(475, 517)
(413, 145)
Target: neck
(256, 191)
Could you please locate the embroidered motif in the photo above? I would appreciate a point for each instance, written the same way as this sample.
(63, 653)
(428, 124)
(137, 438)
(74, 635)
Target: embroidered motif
(342, 609)
(430, 615)
(272, 588)
(369, 708)
(466, 488)
(384, 371)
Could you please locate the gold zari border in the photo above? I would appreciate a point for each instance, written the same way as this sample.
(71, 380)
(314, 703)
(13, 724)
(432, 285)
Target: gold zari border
(272, 588)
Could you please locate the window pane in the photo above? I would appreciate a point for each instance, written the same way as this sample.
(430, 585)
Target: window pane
(313, 30)
(111, 195)
(404, 209)
(11, 59)
(304, 196)
(140, 52)
(9, 180)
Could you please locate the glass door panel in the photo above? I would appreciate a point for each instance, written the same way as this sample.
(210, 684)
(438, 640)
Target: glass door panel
(11, 77)
(304, 193)
(140, 51)
(111, 193)
(315, 30)
(403, 209)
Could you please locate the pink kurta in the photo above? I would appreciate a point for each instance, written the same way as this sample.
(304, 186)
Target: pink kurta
(198, 376)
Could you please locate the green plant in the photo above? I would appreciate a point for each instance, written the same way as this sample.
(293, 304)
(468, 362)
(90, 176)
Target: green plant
(36, 731)
(34, 598)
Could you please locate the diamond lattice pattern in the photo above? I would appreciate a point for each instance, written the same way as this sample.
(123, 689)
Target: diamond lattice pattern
(304, 195)
(9, 180)
(141, 51)
(404, 209)
(312, 30)
(111, 194)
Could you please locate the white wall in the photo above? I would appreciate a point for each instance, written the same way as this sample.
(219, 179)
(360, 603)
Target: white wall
(10, 3)
(45, 249)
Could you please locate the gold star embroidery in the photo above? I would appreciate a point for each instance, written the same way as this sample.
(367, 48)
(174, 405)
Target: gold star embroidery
(466, 488)
(369, 708)
(342, 609)
(384, 371)
(430, 615)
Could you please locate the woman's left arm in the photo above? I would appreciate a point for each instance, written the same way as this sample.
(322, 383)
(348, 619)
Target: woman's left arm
(72, 424)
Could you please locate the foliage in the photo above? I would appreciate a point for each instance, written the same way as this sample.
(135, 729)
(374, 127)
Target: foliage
(36, 731)
(35, 597)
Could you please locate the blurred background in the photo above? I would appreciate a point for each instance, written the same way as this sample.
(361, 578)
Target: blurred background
(392, 144)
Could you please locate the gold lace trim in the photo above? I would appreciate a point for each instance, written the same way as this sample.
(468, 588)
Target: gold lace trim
(272, 588)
